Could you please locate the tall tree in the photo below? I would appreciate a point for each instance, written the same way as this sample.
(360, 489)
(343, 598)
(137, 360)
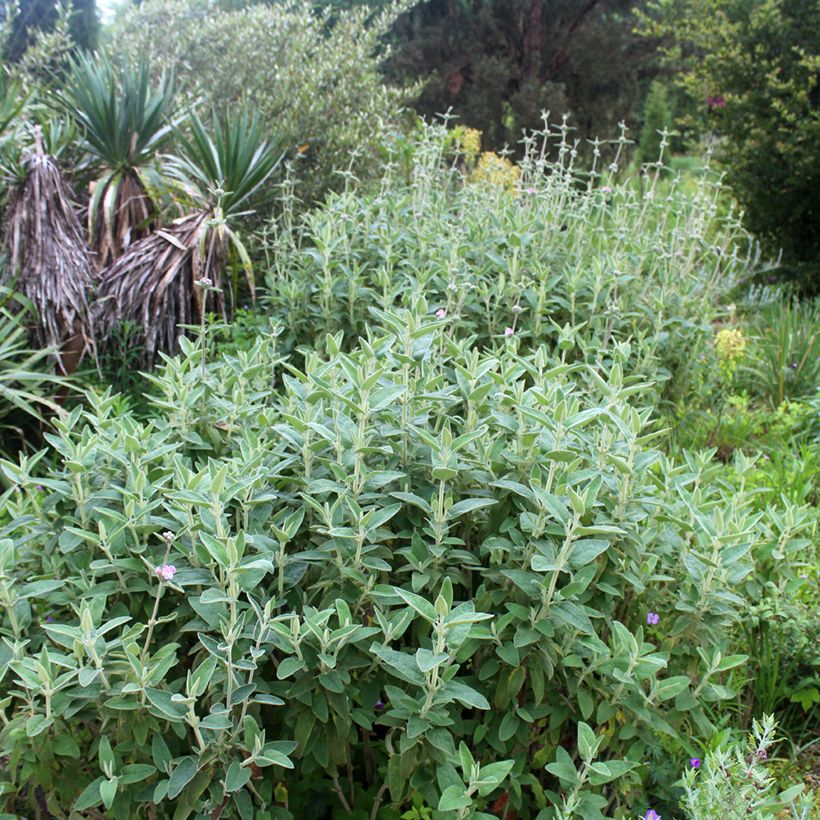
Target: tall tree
(499, 63)
(34, 16)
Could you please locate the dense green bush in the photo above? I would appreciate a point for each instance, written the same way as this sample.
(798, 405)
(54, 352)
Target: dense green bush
(574, 258)
(418, 573)
(27, 378)
(314, 83)
(752, 69)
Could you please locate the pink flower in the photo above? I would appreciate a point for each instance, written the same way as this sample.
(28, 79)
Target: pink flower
(166, 572)
(716, 102)
(651, 815)
(441, 313)
(694, 762)
(530, 191)
(652, 618)
(508, 331)
(606, 189)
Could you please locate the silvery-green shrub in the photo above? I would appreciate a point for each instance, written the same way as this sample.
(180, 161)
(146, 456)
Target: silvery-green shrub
(416, 572)
(734, 782)
(574, 256)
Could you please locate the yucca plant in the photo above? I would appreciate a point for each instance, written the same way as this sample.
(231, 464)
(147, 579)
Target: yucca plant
(126, 120)
(47, 259)
(172, 277)
(12, 102)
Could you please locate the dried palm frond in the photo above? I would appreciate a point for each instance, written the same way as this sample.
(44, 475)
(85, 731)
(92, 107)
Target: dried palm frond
(119, 213)
(47, 259)
(155, 284)
(125, 121)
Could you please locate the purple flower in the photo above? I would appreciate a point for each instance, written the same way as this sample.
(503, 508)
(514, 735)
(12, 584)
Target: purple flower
(607, 189)
(651, 815)
(652, 618)
(762, 754)
(441, 313)
(716, 102)
(379, 706)
(803, 575)
(794, 365)
(694, 762)
(166, 572)
(509, 331)
(40, 487)
(49, 619)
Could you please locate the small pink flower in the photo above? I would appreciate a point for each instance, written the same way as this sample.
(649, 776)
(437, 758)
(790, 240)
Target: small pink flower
(716, 102)
(694, 762)
(441, 313)
(508, 331)
(166, 572)
(606, 189)
(651, 815)
(530, 191)
(652, 618)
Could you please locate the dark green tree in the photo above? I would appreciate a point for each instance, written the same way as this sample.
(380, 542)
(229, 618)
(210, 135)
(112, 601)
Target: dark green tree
(752, 70)
(657, 116)
(34, 16)
(499, 63)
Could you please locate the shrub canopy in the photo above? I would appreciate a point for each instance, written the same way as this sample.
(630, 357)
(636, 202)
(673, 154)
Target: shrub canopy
(314, 82)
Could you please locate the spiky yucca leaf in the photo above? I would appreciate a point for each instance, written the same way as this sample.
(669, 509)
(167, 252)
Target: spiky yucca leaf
(47, 259)
(154, 284)
(224, 170)
(222, 173)
(126, 121)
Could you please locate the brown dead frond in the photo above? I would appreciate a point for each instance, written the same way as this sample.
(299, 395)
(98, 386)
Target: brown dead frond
(155, 286)
(121, 212)
(47, 259)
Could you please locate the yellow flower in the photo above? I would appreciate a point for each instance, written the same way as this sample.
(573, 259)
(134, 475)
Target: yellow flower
(469, 140)
(730, 344)
(495, 170)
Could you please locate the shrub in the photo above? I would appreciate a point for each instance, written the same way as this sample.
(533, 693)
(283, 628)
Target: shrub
(313, 82)
(575, 259)
(26, 376)
(418, 573)
(733, 783)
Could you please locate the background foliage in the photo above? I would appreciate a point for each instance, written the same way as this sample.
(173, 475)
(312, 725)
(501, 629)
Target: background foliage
(761, 59)
(312, 81)
(32, 16)
(500, 63)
